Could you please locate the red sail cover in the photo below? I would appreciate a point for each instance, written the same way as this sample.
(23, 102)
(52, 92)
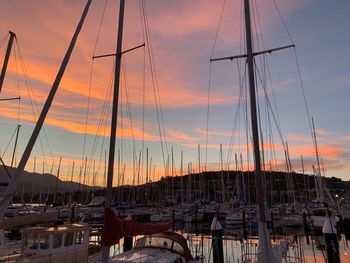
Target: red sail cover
(116, 228)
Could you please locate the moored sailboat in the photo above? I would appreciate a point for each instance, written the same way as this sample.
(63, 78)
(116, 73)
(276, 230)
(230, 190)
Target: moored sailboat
(173, 246)
(266, 252)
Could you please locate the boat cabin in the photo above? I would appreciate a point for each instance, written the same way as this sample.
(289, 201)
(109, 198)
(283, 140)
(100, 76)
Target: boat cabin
(13, 245)
(68, 243)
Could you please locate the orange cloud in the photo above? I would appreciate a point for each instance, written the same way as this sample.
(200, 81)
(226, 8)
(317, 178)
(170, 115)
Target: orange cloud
(346, 138)
(326, 151)
(267, 146)
(323, 132)
(214, 133)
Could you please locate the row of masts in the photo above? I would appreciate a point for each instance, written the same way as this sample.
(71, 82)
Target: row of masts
(176, 189)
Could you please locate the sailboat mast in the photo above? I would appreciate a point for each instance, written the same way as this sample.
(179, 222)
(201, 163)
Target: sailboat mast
(57, 179)
(253, 112)
(15, 146)
(6, 59)
(112, 143)
(115, 105)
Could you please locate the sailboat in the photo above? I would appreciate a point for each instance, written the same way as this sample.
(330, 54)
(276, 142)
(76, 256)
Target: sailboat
(43, 242)
(266, 251)
(322, 209)
(157, 245)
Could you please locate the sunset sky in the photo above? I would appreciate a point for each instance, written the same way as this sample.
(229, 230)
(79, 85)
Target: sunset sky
(183, 35)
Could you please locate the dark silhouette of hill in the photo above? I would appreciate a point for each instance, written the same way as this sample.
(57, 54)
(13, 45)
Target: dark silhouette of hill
(279, 187)
(210, 186)
(32, 184)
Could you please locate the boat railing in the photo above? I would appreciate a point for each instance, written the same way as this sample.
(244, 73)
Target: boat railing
(195, 245)
(292, 254)
(249, 252)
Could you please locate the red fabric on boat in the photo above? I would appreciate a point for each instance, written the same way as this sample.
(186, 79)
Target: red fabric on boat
(116, 228)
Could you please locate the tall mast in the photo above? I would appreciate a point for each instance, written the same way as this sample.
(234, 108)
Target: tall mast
(14, 181)
(15, 146)
(112, 143)
(6, 59)
(265, 249)
(253, 112)
(57, 179)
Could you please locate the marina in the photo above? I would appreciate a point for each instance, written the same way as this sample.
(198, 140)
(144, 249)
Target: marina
(119, 188)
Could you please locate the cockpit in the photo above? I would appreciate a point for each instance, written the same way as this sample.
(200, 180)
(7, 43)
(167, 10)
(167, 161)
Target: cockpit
(160, 242)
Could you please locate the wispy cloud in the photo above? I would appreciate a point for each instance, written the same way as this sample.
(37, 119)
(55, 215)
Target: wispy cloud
(328, 151)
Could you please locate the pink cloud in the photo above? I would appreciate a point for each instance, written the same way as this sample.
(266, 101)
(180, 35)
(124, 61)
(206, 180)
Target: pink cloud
(327, 151)
(214, 132)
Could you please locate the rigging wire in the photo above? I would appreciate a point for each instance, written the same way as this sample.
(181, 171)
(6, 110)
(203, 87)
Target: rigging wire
(102, 146)
(33, 104)
(8, 144)
(90, 81)
(128, 108)
(283, 22)
(265, 71)
(160, 118)
(269, 103)
(298, 67)
(19, 100)
(303, 90)
(299, 75)
(143, 89)
(237, 115)
(263, 63)
(105, 110)
(218, 29)
(209, 84)
(248, 127)
(18, 109)
(4, 39)
(19, 88)
(208, 111)
(297, 64)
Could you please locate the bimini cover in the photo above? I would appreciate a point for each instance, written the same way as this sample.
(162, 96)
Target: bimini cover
(116, 228)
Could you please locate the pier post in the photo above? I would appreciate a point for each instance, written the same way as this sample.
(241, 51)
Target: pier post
(346, 228)
(173, 219)
(244, 226)
(216, 235)
(273, 227)
(196, 219)
(306, 229)
(332, 245)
